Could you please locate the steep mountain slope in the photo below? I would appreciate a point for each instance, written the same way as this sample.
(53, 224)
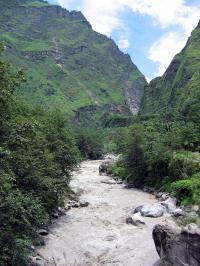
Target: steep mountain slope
(69, 66)
(179, 87)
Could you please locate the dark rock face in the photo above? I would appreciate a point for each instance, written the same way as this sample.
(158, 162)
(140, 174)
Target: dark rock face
(176, 246)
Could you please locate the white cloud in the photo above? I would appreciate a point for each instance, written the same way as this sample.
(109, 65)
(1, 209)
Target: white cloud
(164, 50)
(123, 43)
(105, 17)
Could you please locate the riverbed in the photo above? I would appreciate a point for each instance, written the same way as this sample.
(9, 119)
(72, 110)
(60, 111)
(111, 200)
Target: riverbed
(98, 234)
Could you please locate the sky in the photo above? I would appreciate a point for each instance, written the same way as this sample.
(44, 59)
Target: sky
(150, 31)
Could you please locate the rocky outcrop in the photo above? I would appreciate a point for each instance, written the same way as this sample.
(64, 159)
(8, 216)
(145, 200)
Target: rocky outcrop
(177, 246)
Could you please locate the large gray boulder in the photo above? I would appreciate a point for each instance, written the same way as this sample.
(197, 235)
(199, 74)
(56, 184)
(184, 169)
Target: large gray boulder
(177, 246)
(155, 210)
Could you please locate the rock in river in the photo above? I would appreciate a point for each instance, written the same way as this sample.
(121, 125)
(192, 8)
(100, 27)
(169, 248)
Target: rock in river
(135, 219)
(42, 232)
(155, 210)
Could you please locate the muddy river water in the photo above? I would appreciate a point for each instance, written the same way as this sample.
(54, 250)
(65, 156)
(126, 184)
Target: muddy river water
(98, 234)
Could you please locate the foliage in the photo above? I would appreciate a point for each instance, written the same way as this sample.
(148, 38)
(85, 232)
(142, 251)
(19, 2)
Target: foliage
(37, 154)
(156, 153)
(90, 143)
(187, 190)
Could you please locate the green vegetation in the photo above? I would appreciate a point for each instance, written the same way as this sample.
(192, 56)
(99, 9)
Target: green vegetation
(155, 153)
(161, 147)
(35, 4)
(37, 154)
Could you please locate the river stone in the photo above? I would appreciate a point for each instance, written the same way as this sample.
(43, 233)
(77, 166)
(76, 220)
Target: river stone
(177, 246)
(35, 261)
(155, 210)
(83, 203)
(170, 204)
(108, 181)
(103, 168)
(42, 232)
(135, 219)
(138, 209)
(158, 195)
(177, 212)
(164, 196)
(55, 215)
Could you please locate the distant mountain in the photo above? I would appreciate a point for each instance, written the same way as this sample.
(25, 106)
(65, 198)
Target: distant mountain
(179, 88)
(69, 66)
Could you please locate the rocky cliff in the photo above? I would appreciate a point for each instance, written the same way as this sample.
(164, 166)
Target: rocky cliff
(69, 66)
(177, 246)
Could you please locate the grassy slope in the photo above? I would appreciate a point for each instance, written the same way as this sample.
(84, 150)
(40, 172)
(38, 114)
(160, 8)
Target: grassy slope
(68, 64)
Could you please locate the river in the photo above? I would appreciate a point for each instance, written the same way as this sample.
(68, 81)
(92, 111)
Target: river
(98, 234)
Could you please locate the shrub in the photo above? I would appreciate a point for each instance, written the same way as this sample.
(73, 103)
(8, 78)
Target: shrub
(187, 190)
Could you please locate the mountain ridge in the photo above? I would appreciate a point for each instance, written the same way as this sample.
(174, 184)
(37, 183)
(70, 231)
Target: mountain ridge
(69, 65)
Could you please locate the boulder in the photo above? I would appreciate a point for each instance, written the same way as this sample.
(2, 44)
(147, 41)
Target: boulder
(61, 211)
(108, 181)
(149, 189)
(158, 195)
(155, 210)
(129, 185)
(177, 246)
(177, 212)
(67, 207)
(170, 204)
(164, 196)
(55, 215)
(74, 204)
(35, 261)
(119, 182)
(103, 168)
(135, 219)
(42, 232)
(138, 209)
(83, 203)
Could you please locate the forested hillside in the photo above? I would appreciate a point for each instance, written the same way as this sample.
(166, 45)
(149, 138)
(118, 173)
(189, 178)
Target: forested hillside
(179, 88)
(69, 66)
(161, 147)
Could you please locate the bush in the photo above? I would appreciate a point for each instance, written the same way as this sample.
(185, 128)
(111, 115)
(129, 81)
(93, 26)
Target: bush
(187, 190)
